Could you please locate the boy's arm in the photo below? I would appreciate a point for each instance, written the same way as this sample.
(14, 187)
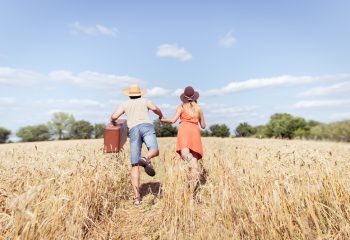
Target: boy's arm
(175, 117)
(155, 109)
(117, 114)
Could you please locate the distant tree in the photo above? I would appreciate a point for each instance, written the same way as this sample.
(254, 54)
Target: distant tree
(34, 133)
(205, 133)
(164, 129)
(340, 131)
(4, 134)
(99, 130)
(337, 131)
(313, 123)
(244, 130)
(260, 131)
(300, 128)
(320, 132)
(81, 130)
(61, 124)
(219, 130)
(301, 133)
(284, 125)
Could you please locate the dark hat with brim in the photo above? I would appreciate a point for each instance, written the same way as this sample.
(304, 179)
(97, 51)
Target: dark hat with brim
(189, 95)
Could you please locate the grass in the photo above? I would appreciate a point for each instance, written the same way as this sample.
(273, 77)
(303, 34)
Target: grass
(255, 189)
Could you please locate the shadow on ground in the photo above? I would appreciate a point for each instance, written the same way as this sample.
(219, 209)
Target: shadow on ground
(153, 188)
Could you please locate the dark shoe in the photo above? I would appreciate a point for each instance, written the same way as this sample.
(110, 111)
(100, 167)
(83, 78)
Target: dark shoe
(147, 166)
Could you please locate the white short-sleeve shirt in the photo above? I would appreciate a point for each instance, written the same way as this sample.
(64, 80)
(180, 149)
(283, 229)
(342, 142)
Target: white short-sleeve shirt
(136, 111)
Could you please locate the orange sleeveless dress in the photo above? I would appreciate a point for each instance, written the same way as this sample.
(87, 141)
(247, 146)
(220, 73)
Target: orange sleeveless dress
(189, 135)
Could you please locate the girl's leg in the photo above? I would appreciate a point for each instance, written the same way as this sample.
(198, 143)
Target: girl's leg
(186, 154)
(194, 170)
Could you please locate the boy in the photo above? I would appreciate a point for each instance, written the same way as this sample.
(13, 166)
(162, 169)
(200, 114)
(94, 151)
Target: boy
(141, 130)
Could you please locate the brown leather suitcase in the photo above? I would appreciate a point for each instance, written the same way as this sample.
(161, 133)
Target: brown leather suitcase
(115, 135)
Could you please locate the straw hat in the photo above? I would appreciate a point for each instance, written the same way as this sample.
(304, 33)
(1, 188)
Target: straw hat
(189, 95)
(133, 91)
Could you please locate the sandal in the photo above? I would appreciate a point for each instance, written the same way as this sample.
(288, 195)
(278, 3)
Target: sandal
(137, 201)
(147, 166)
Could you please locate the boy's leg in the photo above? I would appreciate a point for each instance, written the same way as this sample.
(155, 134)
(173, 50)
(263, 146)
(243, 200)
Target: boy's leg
(151, 154)
(135, 180)
(135, 152)
(149, 137)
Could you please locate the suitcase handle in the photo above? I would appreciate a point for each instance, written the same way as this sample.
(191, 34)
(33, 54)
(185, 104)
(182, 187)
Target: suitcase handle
(116, 123)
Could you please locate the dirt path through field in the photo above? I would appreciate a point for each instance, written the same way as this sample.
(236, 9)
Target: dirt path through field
(134, 221)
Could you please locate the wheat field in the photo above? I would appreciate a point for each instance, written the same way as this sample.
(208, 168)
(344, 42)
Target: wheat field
(254, 189)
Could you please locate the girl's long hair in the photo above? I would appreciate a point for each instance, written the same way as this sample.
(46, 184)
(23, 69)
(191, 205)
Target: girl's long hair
(193, 109)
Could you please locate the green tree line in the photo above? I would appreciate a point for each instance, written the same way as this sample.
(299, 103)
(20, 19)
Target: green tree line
(287, 126)
(281, 125)
(61, 126)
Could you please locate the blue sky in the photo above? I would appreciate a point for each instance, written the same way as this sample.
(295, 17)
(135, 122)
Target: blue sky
(248, 59)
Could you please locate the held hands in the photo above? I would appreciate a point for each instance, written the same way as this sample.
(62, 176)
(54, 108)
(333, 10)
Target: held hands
(161, 118)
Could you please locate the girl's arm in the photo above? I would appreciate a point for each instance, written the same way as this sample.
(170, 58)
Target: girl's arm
(174, 119)
(202, 121)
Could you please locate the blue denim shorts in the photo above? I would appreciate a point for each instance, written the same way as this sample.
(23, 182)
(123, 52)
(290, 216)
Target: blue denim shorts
(141, 133)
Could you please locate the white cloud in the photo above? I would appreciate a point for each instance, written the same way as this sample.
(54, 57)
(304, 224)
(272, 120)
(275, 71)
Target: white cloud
(279, 81)
(330, 103)
(86, 114)
(177, 92)
(106, 30)
(19, 77)
(171, 50)
(157, 92)
(340, 116)
(217, 113)
(23, 78)
(167, 107)
(115, 102)
(93, 79)
(7, 102)
(98, 29)
(48, 103)
(343, 87)
(227, 41)
(73, 102)
(227, 111)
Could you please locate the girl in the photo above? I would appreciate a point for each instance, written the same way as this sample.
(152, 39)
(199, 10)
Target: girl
(189, 143)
